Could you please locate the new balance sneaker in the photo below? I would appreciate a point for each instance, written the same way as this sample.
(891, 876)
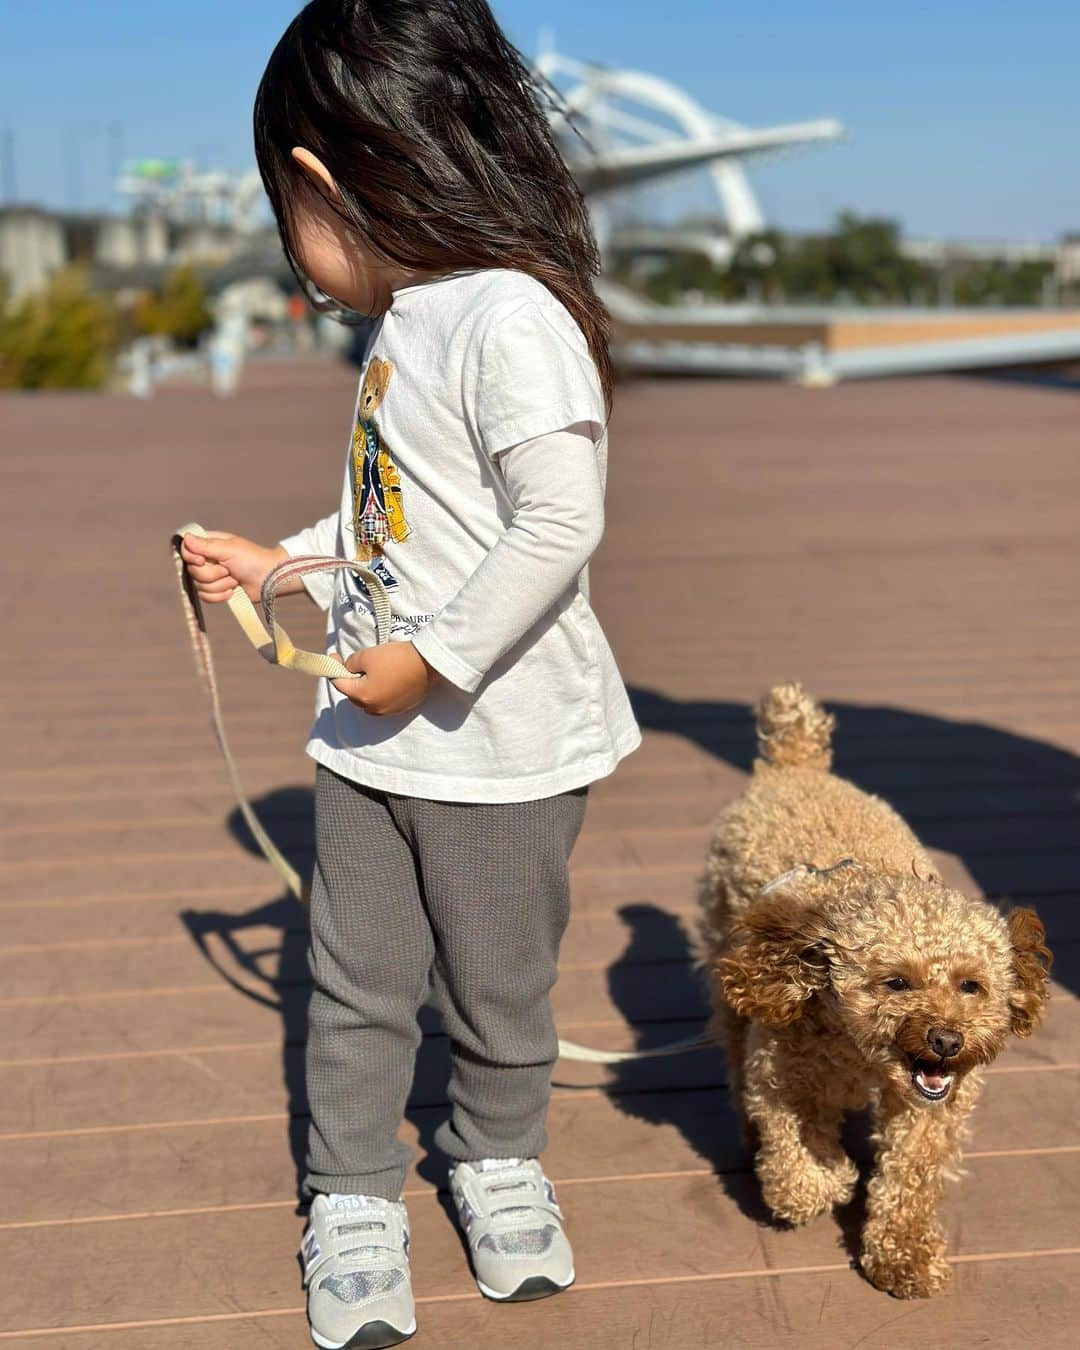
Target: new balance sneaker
(514, 1228)
(356, 1269)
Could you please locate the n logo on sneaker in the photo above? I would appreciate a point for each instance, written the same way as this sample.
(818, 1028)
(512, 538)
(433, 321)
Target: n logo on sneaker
(310, 1248)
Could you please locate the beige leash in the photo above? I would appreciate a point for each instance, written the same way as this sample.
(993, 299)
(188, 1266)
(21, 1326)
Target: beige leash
(272, 642)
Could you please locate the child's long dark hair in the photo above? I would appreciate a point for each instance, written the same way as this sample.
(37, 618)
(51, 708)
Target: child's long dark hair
(436, 133)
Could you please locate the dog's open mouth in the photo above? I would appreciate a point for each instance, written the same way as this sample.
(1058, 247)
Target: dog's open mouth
(931, 1079)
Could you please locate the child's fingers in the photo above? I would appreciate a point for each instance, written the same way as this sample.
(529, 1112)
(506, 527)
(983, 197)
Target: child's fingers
(218, 586)
(214, 545)
(356, 688)
(203, 573)
(189, 550)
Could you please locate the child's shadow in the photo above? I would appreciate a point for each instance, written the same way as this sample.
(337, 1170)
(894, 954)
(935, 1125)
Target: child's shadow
(263, 954)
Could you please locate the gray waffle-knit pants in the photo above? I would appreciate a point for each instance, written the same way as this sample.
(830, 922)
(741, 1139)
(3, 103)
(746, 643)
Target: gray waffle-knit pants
(473, 897)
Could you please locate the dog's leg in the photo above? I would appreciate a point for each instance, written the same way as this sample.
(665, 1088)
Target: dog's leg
(903, 1242)
(802, 1168)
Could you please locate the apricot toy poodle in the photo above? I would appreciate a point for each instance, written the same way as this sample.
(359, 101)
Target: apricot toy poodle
(846, 975)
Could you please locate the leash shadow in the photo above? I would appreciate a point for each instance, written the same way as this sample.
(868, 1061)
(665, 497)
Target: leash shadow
(662, 993)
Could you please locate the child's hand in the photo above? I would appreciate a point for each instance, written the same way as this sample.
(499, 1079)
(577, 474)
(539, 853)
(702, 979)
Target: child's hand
(221, 562)
(395, 679)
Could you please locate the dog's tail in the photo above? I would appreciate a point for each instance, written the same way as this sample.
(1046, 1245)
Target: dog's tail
(793, 730)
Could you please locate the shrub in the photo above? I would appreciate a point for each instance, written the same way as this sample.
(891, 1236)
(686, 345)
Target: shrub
(63, 337)
(178, 311)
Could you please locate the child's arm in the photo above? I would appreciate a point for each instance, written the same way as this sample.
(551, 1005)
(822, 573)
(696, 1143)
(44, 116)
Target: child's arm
(554, 484)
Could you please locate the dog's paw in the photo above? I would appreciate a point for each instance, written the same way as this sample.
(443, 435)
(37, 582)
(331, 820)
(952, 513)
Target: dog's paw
(798, 1193)
(906, 1276)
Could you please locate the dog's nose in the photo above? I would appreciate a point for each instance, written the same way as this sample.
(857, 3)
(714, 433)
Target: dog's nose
(944, 1042)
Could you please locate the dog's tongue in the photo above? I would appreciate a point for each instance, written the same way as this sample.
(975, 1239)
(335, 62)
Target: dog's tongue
(933, 1077)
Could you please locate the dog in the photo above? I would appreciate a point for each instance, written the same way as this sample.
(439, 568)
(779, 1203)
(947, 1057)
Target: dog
(846, 975)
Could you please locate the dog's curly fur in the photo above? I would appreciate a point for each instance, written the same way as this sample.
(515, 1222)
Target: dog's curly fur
(869, 985)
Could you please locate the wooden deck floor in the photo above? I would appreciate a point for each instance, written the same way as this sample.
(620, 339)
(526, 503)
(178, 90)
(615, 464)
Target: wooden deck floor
(908, 550)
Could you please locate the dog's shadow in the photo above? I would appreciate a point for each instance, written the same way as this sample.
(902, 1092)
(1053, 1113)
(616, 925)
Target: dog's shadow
(1007, 805)
(690, 1091)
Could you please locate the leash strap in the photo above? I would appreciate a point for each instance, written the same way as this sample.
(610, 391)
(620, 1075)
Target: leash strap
(272, 642)
(585, 1054)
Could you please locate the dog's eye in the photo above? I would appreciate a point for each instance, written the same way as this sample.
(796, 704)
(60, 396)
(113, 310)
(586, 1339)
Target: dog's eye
(897, 983)
(970, 987)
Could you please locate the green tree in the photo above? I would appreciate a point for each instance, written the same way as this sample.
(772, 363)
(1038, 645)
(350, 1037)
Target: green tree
(998, 283)
(63, 337)
(758, 268)
(684, 272)
(179, 310)
(859, 260)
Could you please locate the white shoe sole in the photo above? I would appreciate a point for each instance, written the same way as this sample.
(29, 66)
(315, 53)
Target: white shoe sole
(523, 1293)
(324, 1344)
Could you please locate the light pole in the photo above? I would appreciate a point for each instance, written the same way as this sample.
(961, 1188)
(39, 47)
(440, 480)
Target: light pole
(75, 134)
(117, 133)
(7, 165)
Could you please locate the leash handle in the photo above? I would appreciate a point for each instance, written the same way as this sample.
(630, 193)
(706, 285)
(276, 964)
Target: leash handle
(270, 639)
(272, 642)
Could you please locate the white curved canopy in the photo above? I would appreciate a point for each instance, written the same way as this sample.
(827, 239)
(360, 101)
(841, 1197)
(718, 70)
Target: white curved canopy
(617, 113)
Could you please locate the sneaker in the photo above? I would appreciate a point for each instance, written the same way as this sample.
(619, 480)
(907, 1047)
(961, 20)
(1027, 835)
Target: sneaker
(514, 1228)
(355, 1252)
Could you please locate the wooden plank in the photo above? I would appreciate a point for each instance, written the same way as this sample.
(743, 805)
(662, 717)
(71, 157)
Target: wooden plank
(157, 917)
(229, 867)
(650, 845)
(248, 1162)
(831, 1309)
(715, 1237)
(199, 1083)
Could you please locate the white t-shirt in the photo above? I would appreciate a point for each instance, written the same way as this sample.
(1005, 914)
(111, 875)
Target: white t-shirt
(473, 486)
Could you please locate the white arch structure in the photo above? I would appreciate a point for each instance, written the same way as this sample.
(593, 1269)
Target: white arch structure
(628, 148)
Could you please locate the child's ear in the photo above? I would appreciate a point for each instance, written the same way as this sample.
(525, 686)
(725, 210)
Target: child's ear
(775, 961)
(314, 169)
(1031, 961)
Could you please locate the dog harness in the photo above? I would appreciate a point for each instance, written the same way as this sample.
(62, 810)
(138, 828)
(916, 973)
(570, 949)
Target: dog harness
(806, 870)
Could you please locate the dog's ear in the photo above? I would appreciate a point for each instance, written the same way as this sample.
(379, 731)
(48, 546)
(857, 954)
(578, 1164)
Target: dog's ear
(775, 960)
(1031, 961)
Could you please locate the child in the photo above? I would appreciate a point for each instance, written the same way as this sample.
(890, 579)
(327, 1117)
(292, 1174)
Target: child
(410, 165)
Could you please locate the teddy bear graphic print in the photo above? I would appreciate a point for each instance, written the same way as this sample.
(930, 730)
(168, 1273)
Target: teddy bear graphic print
(378, 514)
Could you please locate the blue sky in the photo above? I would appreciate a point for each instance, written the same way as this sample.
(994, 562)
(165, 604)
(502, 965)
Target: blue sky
(963, 116)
